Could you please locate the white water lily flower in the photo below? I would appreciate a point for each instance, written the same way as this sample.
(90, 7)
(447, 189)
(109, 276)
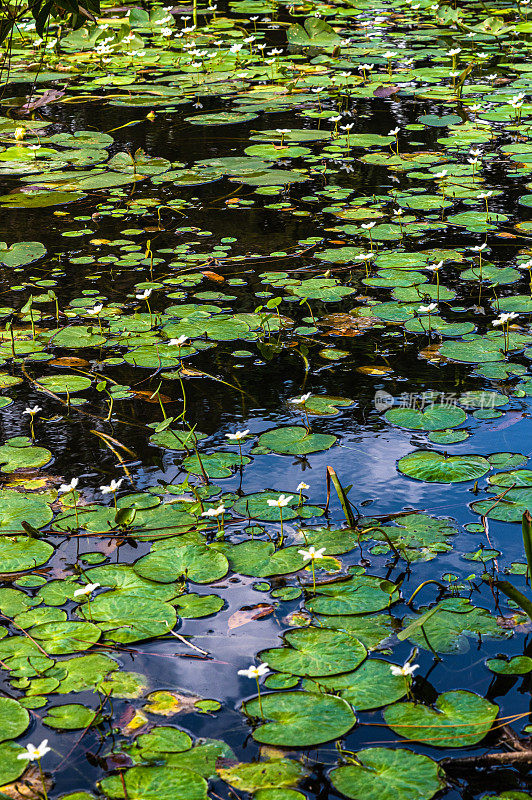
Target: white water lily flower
(114, 486)
(428, 309)
(35, 753)
(368, 225)
(406, 670)
(32, 411)
(484, 195)
(86, 590)
(300, 401)
(68, 487)
(434, 267)
(145, 294)
(478, 248)
(254, 672)
(213, 512)
(454, 51)
(503, 318)
(283, 131)
(281, 502)
(302, 486)
(441, 174)
(235, 437)
(312, 554)
(347, 127)
(96, 310)
(394, 132)
(178, 342)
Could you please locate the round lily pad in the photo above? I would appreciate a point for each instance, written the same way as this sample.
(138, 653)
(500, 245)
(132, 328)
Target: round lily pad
(381, 773)
(14, 719)
(434, 418)
(300, 719)
(432, 467)
(19, 553)
(295, 440)
(458, 719)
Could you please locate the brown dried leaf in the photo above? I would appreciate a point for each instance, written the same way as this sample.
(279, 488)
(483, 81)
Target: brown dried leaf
(28, 787)
(67, 361)
(213, 276)
(246, 615)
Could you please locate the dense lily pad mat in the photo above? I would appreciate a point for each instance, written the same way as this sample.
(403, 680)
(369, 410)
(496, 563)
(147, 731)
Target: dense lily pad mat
(265, 400)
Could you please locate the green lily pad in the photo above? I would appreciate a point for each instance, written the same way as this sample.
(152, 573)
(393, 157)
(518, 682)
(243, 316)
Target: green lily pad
(370, 686)
(200, 563)
(156, 783)
(432, 467)
(381, 773)
(300, 719)
(295, 440)
(434, 418)
(458, 719)
(14, 719)
(316, 651)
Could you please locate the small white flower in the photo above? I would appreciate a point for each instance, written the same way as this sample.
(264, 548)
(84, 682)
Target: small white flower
(32, 411)
(302, 486)
(35, 753)
(254, 672)
(478, 248)
(394, 132)
(114, 486)
(347, 127)
(178, 342)
(300, 401)
(235, 437)
(86, 590)
(283, 131)
(441, 174)
(434, 267)
(454, 51)
(390, 54)
(145, 294)
(484, 195)
(69, 487)
(503, 318)
(368, 225)
(312, 554)
(428, 309)
(406, 670)
(236, 48)
(275, 52)
(281, 502)
(213, 512)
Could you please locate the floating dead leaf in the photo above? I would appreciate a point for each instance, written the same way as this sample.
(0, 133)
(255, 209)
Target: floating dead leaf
(297, 619)
(69, 361)
(28, 787)
(505, 235)
(213, 276)
(432, 354)
(149, 397)
(375, 370)
(385, 91)
(100, 241)
(246, 615)
(515, 623)
(47, 97)
(137, 721)
(347, 324)
(166, 704)
(153, 229)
